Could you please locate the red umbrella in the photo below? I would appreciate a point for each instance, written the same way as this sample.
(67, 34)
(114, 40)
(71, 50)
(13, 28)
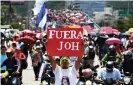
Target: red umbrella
(27, 31)
(115, 31)
(107, 30)
(113, 41)
(87, 28)
(28, 40)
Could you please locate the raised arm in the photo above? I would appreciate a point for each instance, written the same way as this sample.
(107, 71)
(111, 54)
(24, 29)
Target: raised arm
(77, 63)
(53, 62)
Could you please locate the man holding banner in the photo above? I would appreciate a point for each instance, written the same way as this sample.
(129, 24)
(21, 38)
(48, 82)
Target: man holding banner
(72, 45)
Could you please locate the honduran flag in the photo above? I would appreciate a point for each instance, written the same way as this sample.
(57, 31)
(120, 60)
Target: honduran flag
(42, 18)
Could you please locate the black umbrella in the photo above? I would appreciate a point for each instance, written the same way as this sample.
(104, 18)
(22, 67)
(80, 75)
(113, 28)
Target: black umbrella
(101, 39)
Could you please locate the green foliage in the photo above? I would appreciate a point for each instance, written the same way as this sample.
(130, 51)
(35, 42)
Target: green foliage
(123, 24)
(5, 8)
(55, 4)
(2, 20)
(16, 25)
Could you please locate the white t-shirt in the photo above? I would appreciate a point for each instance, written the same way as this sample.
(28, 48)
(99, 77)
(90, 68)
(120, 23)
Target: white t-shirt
(72, 60)
(65, 76)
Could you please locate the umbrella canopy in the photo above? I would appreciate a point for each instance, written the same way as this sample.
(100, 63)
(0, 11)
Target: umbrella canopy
(106, 30)
(28, 40)
(93, 33)
(88, 29)
(115, 31)
(130, 30)
(113, 41)
(101, 39)
(126, 34)
(27, 31)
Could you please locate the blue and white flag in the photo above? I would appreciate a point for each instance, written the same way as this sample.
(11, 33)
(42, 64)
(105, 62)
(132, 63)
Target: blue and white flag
(42, 17)
(37, 6)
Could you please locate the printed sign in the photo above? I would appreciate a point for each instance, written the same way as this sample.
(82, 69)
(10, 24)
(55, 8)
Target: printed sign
(65, 42)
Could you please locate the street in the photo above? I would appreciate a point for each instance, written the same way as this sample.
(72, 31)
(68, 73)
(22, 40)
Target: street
(28, 74)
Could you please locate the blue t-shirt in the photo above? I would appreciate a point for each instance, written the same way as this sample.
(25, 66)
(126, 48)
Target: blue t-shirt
(115, 75)
(3, 58)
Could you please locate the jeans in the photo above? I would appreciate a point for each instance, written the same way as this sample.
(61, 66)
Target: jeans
(36, 70)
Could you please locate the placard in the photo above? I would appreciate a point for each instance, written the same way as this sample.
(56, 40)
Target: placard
(65, 42)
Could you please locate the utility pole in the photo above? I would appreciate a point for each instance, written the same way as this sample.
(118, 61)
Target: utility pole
(128, 7)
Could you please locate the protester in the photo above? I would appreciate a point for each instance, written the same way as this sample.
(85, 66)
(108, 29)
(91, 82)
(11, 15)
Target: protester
(68, 68)
(127, 63)
(63, 73)
(13, 46)
(112, 55)
(21, 57)
(11, 62)
(109, 72)
(3, 58)
(36, 61)
(25, 48)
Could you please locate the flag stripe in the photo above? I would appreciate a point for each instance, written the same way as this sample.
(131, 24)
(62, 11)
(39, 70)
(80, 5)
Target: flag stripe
(44, 20)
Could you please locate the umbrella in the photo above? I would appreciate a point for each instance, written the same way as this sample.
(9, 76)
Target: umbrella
(93, 33)
(106, 30)
(130, 30)
(28, 40)
(126, 34)
(27, 31)
(101, 39)
(88, 28)
(115, 31)
(113, 41)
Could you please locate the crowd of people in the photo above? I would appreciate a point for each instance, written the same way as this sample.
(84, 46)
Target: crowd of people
(115, 59)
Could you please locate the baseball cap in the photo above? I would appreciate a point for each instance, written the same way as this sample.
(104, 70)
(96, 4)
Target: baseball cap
(38, 47)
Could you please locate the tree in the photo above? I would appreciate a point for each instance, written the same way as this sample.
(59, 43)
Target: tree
(7, 13)
(55, 4)
(123, 24)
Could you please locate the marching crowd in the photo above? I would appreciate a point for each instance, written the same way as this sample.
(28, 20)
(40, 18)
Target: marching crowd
(116, 58)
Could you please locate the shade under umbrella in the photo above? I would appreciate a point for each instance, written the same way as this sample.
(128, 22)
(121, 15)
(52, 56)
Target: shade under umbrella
(113, 41)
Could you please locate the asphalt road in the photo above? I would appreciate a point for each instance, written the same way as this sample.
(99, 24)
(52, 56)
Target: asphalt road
(28, 74)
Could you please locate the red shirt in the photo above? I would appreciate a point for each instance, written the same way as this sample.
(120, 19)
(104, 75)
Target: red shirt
(19, 56)
(118, 50)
